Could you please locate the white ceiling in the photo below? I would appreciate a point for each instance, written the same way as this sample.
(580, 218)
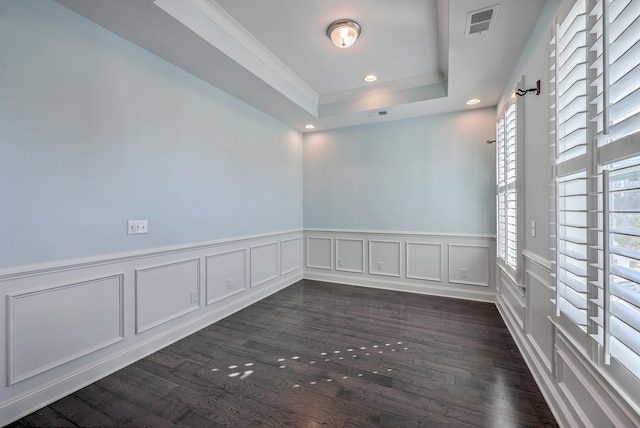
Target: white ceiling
(276, 56)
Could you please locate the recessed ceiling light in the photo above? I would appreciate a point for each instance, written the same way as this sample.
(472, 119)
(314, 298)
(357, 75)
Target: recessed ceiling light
(370, 78)
(309, 126)
(473, 101)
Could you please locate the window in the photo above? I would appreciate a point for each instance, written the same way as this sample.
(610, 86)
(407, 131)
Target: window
(506, 177)
(572, 187)
(596, 105)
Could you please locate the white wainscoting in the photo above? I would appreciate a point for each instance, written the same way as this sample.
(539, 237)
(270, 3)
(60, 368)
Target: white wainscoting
(290, 255)
(424, 261)
(384, 257)
(468, 264)
(43, 328)
(350, 255)
(319, 254)
(71, 323)
(264, 263)
(166, 292)
(460, 266)
(226, 274)
(577, 393)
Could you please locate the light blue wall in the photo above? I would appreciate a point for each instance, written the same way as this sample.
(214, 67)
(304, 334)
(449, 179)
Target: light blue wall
(535, 129)
(95, 131)
(429, 174)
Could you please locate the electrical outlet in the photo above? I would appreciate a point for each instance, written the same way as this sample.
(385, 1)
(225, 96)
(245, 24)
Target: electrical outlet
(135, 227)
(193, 296)
(464, 274)
(340, 262)
(229, 284)
(533, 228)
(380, 266)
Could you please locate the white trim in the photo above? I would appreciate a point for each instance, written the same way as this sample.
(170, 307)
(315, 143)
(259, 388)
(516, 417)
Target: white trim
(63, 265)
(191, 308)
(408, 266)
(389, 283)
(293, 269)
(337, 253)
(228, 36)
(460, 281)
(207, 257)
(12, 377)
(382, 272)
(277, 263)
(400, 233)
(537, 259)
(331, 256)
(405, 280)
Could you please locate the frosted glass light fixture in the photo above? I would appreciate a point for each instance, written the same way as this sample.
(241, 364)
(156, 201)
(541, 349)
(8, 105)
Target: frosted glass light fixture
(343, 32)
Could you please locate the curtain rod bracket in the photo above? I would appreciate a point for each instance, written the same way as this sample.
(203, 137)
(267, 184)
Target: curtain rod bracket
(523, 92)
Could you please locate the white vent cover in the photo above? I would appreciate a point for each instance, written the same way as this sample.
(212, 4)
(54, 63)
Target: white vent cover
(378, 113)
(481, 20)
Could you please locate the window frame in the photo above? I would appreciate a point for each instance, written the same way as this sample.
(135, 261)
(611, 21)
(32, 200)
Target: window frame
(510, 236)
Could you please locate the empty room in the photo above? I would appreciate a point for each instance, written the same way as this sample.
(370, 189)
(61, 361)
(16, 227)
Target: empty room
(236, 213)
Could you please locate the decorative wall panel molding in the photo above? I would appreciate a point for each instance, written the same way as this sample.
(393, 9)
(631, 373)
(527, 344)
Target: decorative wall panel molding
(48, 327)
(290, 255)
(319, 252)
(350, 255)
(424, 261)
(469, 264)
(264, 263)
(412, 262)
(384, 257)
(72, 323)
(164, 292)
(225, 274)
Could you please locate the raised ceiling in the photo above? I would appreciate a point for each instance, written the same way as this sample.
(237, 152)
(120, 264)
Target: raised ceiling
(275, 54)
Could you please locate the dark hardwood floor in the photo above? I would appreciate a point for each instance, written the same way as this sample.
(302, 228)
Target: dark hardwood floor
(319, 354)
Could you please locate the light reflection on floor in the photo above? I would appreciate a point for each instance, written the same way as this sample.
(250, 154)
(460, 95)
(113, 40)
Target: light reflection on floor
(355, 353)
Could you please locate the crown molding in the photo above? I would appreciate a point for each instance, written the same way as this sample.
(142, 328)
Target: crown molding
(214, 25)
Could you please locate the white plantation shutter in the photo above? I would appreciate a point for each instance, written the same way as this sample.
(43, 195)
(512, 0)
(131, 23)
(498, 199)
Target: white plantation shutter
(570, 67)
(507, 174)
(621, 330)
(597, 202)
(569, 63)
(616, 79)
(615, 82)
(501, 208)
(571, 279)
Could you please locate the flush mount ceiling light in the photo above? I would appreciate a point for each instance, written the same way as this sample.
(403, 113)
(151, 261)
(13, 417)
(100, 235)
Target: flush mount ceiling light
(370, 78)
(343, 32)
(473, 101)
(309, 126)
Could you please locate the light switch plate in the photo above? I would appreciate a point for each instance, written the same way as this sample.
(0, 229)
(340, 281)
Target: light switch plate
(135, 227)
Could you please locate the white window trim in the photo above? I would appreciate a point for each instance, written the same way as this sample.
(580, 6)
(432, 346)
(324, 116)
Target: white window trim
(515, 273)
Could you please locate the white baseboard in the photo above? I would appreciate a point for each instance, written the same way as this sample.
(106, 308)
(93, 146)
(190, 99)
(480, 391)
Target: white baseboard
(393, 285)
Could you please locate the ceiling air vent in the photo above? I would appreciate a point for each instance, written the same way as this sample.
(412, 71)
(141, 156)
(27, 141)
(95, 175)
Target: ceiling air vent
(378, 113)
(481, 20)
